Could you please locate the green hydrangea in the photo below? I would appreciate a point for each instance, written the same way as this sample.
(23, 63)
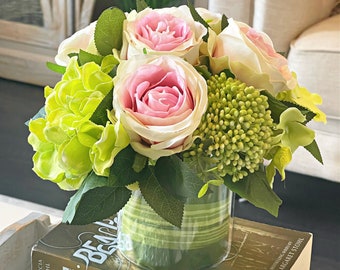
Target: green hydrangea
(68, 144)
(236, 129)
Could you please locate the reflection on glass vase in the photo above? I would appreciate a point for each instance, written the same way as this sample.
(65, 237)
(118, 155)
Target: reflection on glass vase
(203, 240)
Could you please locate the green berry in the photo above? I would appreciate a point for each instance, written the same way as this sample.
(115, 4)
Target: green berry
(236, 129)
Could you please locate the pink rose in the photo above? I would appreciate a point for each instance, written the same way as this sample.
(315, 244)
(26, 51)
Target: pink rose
(162, 31)
(82, 39)
(251, 57)
(160, 101)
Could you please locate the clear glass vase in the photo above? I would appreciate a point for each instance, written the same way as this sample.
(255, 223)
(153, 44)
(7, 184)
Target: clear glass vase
(203, 240)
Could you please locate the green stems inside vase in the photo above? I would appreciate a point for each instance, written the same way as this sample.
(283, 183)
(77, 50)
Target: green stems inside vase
(203, 240)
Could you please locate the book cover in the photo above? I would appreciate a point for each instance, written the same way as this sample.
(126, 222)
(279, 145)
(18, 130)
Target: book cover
(94, 246)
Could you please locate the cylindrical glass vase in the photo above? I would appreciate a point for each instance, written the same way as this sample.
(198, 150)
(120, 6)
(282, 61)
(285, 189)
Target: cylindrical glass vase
(203, 240)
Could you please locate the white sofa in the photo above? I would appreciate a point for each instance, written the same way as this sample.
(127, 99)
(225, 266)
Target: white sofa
(308, 31)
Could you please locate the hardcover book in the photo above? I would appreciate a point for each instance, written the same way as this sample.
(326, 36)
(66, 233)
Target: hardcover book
(94, 246)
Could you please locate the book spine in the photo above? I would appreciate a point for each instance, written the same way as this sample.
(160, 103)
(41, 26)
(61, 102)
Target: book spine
(46, 261)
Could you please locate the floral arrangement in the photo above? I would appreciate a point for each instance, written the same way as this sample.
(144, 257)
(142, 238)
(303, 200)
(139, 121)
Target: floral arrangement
(164, 100)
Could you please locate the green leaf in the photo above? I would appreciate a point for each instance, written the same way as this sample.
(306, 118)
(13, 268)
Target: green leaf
(56, 68)
(195, 15)
(162, 202)
(276, 107)
(108, 33)
(315, 151)
(85, 57)
(141, 5)
(121, 171)
(255, 188)
(139, 162)
(100, 203)
(95, 200)
(73, 54)
(99, 116)
(177, 177)
(224, 22)
(228, 73)
(203, 70)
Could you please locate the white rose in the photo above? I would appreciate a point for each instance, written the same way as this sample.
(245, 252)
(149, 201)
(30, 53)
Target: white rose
(162, 31)
(250, 56)
(160, 101)
(82, 39)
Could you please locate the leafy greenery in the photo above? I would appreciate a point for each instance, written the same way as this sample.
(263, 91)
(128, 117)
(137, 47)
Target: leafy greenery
(160, 200)
(109, 31)
(276, 106)
(56, 68)
(121, 172)
(224, 22)
(99, 116)
(177, 177)
(250, 188)
(86, 57)
(96, 199)
(315, 151)
(198, 18)
(128, 5)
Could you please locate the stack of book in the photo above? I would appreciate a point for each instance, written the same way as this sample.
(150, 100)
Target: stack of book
(94, 246)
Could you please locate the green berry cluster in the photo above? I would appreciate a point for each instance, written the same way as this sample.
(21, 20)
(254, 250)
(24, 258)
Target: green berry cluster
(236, 128)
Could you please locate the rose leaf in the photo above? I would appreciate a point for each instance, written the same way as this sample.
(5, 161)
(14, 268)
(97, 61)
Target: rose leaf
(177, 177)
(315, 151)
(108, 33)
(99, 116)
(95, 200)
(121, 171)
(161, 201)
(85, 57)
(250, 187)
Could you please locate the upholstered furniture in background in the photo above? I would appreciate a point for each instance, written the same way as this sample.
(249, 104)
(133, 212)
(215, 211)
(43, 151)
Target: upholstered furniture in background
(308, 32)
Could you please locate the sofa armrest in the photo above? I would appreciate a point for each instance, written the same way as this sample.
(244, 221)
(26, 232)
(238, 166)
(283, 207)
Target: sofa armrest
(283, 21)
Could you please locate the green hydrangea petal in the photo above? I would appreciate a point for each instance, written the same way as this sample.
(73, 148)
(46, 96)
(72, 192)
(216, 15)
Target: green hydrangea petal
(36, 127)
(114, 139)
(89, 133)
(64, 138)
(73, 70)
(47, 91)
(85, 104)
(45, 166)
(71, 183)
(74, 157)
(94, 78)
(55, 135)
(65, 92)
(123, 138)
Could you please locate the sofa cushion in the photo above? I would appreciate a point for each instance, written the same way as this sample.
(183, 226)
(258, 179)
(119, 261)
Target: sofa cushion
(315, 57)
(285, 20)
